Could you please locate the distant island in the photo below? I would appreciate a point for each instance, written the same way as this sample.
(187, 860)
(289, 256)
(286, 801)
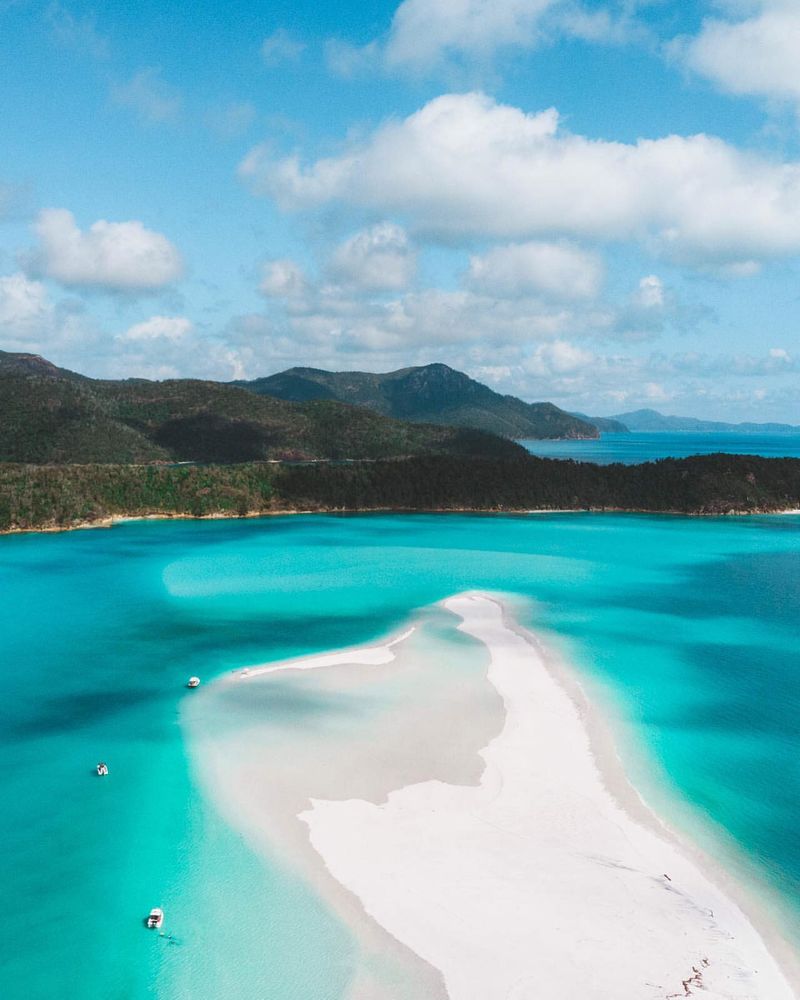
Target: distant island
(653, 421)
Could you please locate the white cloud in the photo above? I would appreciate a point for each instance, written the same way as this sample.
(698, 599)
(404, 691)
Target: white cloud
(282, 279)
(650, 294)
(150, 96)
(425, 31)
(465, 166)
(555, 270)
(29, 321)
(118, 256)
(24, 306)
(559, 358)
(757, 55)
(378, 258)
(427, 35)
(171, 328)
(76, 32)
(281, 47)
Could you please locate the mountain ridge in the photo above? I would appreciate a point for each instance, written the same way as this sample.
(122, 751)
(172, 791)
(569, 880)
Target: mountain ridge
(49, 414)
(434, 393)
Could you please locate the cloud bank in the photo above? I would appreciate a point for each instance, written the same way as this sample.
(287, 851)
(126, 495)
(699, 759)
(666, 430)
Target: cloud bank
(465, 166)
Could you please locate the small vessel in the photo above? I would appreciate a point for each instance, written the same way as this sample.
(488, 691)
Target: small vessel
(156, 917)
(193, 682)
(102, 769)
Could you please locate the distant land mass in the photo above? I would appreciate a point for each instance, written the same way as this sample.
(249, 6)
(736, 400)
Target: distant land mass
(433, 394)
(606, 425)
(652, 420)
(52, 415)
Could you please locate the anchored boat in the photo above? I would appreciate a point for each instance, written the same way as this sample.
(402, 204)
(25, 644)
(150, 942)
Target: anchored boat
(156, 918)
(102, 769)
(193, 682)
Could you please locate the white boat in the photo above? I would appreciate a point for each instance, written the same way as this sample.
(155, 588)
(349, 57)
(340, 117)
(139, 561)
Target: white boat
(102, 769)
(193, 682)
(156, 918)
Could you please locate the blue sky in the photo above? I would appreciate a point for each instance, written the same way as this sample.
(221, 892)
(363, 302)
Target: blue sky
(595, 202)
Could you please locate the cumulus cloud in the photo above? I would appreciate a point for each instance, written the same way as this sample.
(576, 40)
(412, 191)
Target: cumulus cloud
(24, 306)
(425, 31)
(116, 256)
(281, 47)
(464, 166)
(30, 321)
(756, 55)
(378, 258)
(426, 35)
(170, 328)
(555, 270)
(282, 279)
(150, 96)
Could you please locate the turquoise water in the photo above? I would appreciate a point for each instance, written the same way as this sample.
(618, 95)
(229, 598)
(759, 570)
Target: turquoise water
(647, 447)
(689, 624)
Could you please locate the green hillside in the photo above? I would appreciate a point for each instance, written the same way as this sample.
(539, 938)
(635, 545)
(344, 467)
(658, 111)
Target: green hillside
(48, 414)
(429, 394)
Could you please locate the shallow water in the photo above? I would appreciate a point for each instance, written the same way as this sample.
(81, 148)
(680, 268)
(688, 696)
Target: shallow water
(688, 624)
(642, 446)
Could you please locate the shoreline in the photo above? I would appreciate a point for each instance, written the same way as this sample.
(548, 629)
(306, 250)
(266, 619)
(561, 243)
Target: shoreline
(384, 833)
(733, 874)
(112, 520)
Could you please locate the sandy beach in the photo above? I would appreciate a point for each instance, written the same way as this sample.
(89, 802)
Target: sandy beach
(486, 849)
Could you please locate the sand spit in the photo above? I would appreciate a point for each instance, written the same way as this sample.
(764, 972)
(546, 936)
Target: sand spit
(442, 793)
(536, 883)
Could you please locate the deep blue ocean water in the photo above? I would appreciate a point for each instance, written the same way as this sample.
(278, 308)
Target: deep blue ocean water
(640, 446)
(687, 625)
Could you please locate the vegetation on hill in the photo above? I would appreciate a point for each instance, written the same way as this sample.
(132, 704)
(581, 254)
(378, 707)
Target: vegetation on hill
(61, 496)
(429, 394)
(48, 414)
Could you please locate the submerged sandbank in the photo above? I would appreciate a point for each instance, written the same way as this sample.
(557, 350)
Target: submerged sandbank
(487, 853)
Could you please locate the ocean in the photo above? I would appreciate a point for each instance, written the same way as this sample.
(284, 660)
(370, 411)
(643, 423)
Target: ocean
(685, 629)
(641, 446)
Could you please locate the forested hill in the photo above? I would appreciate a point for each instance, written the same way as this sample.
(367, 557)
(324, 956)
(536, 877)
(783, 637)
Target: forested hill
(34, 497)
(49, 414)
(431, 394)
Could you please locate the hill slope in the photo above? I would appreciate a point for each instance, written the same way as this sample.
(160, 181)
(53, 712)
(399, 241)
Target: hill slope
(48, 414)
(430, 394)
(607, 425)
(652, 420)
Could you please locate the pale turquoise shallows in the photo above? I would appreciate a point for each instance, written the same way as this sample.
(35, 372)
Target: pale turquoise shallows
(689, 626)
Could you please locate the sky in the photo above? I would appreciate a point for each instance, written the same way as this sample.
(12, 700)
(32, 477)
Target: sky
(593, 202)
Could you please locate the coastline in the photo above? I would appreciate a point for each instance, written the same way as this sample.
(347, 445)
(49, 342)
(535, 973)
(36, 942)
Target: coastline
(113, 520)
(398, 834)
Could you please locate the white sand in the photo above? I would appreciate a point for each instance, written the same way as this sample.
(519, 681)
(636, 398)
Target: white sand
(536, 885)
(367, 655)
